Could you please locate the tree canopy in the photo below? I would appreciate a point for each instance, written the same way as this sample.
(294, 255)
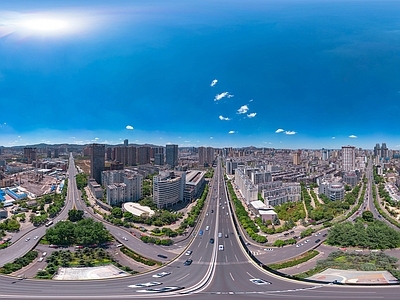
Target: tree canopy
(83, 232)
(373, 235)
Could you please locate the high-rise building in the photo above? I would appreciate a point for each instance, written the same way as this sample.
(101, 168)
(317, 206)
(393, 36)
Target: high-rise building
(384, 151)
(377, 150)
(56, 153)
(131, 155)
(143, 155)
(206, 156)
(126, 142)
(171, 155)
(168, 188)
(159, 159)
(97, 160)
(210, 155)
(348, 158)
(202, 156)
(30, 154)
(296, 157)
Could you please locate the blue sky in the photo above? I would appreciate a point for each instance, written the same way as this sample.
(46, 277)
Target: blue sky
(289, 74)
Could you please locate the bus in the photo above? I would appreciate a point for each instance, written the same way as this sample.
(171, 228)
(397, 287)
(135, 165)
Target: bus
(49, 223)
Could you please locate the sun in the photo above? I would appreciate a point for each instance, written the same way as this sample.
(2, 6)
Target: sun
(45, 24)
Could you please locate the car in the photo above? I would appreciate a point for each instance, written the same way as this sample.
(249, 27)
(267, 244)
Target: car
(212, 211)
(188, 262)
(189, 252)
(27, 239)
(124, 238)
(162, 274)
(36, 237)
(324, 235)
(226, 235)
(44, 254)
(201, 232)
(162, 256)
(306, 241)
(161, 290)
(211, 241)
(219, 234)
(206, 214)
(221, 247)
(317, 241)
(268, 249)
(147, 284)
(40, 259)
(297, 246)
(259, 281)
(207, 227)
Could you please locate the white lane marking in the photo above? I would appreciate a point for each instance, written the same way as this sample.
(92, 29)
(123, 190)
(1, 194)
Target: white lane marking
(232, 276)
(200, 259)
(250, 275)
(236, 258)
(183, 277)
(226, 258)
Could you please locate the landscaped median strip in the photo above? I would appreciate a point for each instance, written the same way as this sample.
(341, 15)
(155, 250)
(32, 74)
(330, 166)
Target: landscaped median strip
(296, 261)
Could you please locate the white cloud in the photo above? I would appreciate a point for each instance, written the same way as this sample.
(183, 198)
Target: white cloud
(290, 132)
(211, 137)
(333, 137)
(222, 95)
(96, 138)
(279, 130)
(243, 109)
(129, 127)
(223, 118)
(352, 136)
(252, 115)
(214, 82)
(232, 132)
(251, 100)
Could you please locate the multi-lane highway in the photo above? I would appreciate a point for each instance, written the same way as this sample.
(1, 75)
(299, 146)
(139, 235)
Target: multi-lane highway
(215, 273)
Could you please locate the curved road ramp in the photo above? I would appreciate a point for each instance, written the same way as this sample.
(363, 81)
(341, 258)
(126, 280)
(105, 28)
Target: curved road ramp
(353, 276)
(87, 273)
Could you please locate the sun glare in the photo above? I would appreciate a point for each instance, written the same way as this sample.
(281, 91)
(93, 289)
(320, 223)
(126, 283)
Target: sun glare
(45, 24)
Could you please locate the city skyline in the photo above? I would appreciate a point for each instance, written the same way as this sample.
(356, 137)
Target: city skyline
(187, 74)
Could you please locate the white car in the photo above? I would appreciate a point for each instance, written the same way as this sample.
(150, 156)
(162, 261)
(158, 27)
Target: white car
(124, 238)
(144, 285)
(162, 274)
(27, 239)
(221, 247)
(259, 281)
(188, 252)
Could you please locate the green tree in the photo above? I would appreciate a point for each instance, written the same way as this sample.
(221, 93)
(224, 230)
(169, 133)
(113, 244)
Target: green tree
(367, 216)
(75, 215)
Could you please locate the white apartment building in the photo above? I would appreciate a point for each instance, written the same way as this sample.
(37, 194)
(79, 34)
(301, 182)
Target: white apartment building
(348, 158)
(116, 193)
(168, 188)
(122, 186)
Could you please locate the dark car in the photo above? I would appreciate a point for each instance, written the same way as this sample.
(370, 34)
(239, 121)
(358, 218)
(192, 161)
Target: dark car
(324, 235)
(211, 241)
(188, 262)
(226, 235)
(317, 241)
(212, 211)
(162, 256)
